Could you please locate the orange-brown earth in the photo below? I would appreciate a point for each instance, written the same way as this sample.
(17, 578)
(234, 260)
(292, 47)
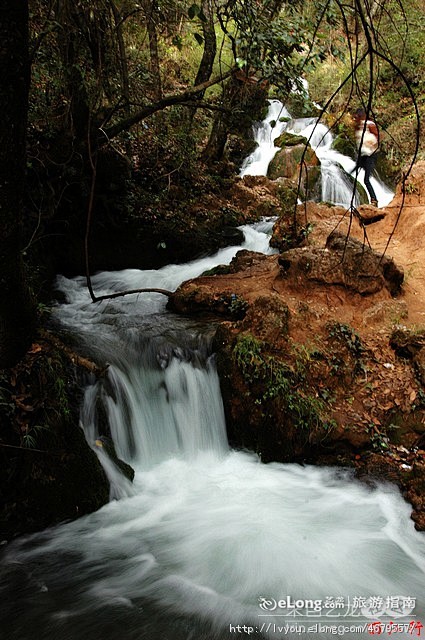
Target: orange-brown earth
(353, 359)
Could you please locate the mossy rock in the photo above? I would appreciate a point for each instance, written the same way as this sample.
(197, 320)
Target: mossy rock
(345, 146)
(287, 193)
(287, 161)
(289, 140)
(219, 270)
(361, 191)
(48, 473)
(389, 173)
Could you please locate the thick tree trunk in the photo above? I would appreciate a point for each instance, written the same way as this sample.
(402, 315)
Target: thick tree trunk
(243, 98)
(16, 309)
(79, 111)
(210, 45)
(125, 77)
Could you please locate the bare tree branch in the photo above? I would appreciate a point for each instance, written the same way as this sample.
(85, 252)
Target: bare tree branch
(166, 101)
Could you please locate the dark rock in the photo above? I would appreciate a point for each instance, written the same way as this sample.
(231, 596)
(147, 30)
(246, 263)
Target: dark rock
(232, 235)
(48, 472)
(238, 148)
(109, 448)
(406, 343)
(141, 246)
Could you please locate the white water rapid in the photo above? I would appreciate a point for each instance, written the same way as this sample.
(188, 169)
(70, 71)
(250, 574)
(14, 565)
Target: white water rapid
(205, 534)
(336, 168)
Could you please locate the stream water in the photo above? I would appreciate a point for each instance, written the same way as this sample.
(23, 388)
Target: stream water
(336, 185)
(208, 542)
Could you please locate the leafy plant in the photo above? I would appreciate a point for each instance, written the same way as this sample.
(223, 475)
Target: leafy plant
(347, 337)
(238, 306)
(29, 439)
(277, 381)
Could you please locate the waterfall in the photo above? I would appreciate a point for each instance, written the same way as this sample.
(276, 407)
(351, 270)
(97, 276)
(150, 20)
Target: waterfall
(336, 168)
(265, 133)
(204, 535)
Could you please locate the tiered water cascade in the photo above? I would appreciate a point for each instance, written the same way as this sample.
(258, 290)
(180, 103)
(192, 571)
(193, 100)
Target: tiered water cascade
(206, 541)
(336, 168)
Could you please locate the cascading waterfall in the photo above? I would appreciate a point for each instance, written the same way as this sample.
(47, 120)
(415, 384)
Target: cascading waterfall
(336, 168)
(265, 133)
(204, 534)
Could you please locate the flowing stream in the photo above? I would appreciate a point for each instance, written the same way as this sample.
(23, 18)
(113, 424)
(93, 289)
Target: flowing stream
(204, 534)
(206, 543)
(336, 185)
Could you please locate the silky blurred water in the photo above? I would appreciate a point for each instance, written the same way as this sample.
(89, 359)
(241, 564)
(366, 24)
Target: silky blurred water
(337, 170)
(204, 534)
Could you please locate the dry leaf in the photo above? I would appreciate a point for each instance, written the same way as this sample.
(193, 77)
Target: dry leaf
(35, 348)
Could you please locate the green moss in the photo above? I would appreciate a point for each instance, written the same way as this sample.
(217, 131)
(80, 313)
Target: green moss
(289, 140)
(288, 197)
(273, 380)
(344, 145)
(219, 270)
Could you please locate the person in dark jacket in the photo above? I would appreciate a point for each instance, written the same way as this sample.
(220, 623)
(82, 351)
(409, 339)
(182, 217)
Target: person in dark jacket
(367, 139)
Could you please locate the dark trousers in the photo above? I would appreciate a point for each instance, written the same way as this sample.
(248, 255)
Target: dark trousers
(368, 163)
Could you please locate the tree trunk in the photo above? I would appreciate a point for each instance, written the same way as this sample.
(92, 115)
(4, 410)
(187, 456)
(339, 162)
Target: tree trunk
(69, 44)
(125, 78)
(155, 67)
(210, 46)
(243, 98)
(16, 308)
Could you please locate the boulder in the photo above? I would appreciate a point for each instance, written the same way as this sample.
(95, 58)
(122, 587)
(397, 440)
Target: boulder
(345, 262)
(290, 140)
(287, 161)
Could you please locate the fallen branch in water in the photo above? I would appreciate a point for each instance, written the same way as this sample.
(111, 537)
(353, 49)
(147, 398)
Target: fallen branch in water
(120, 294)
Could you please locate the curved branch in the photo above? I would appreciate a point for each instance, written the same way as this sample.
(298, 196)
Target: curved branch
(120, 294)
(166, 101)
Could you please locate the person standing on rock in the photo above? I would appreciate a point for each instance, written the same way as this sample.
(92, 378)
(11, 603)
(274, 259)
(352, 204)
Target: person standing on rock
(367, 139)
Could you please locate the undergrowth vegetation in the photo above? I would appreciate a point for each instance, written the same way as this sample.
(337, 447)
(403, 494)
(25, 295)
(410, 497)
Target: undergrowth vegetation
(271, 380)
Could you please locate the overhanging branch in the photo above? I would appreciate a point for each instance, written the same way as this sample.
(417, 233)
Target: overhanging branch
(167, 101)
